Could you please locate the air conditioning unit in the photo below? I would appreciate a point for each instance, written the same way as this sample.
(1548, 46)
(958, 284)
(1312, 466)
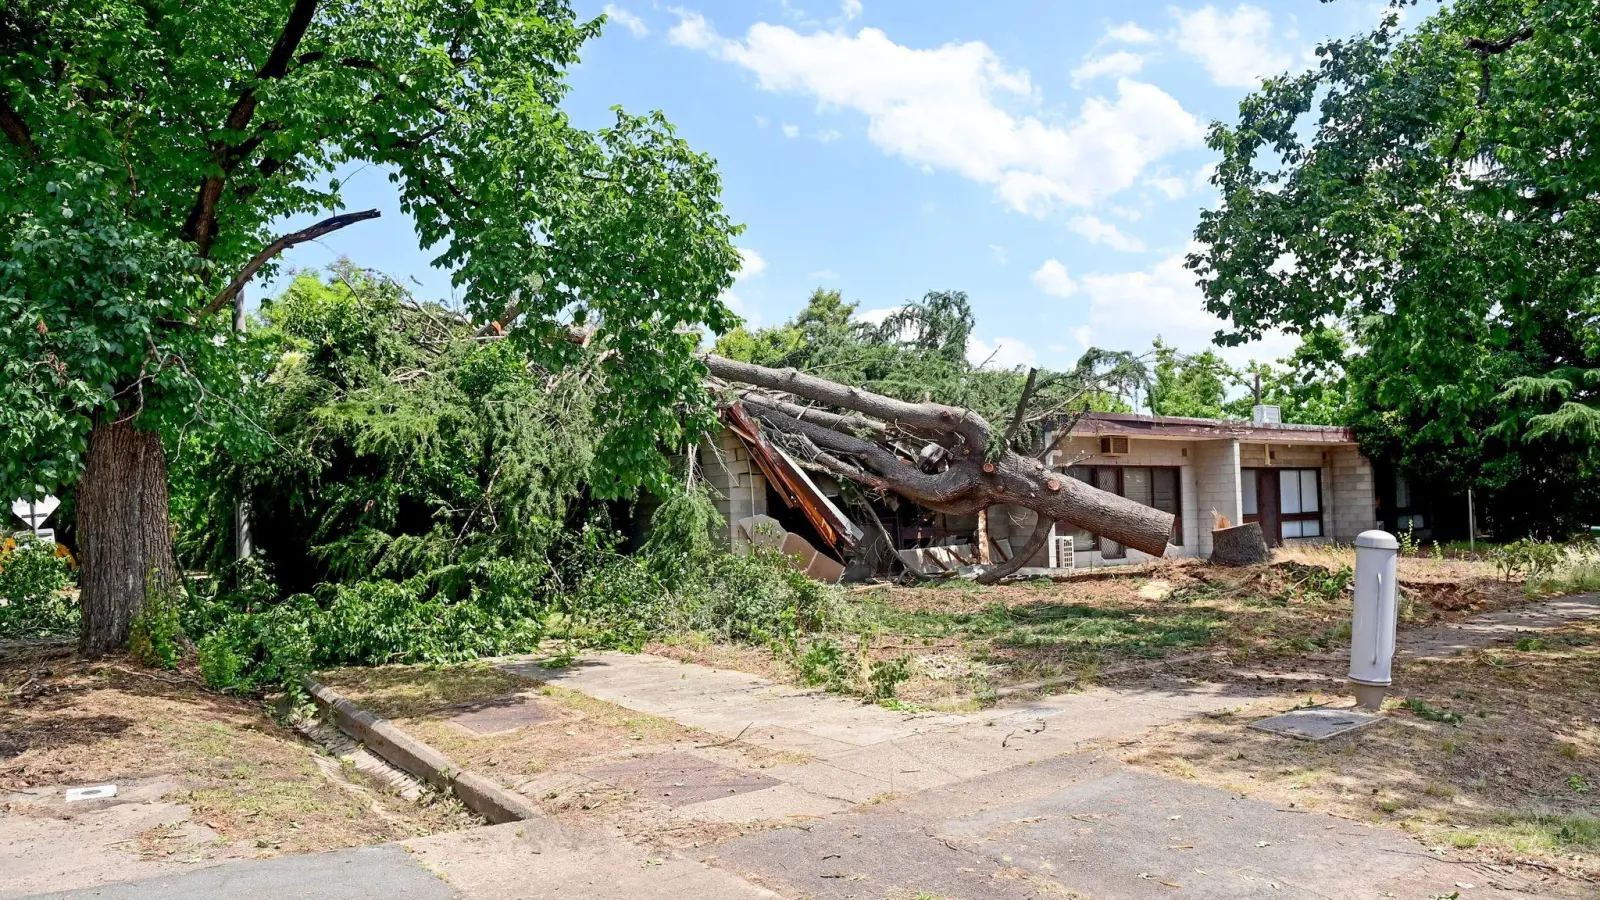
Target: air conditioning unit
(1064, 553)
(1113, 445)
(1266, 414)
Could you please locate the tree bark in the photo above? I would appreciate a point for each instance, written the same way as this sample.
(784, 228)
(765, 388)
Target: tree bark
(966, 487)
(1041, 535)
(124, 532)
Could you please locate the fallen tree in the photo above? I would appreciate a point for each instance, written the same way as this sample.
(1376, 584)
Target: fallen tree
(943, 458)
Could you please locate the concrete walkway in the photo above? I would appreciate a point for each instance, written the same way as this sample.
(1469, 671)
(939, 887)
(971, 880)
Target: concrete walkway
(858, 751)
(1501, 627)
(1001, 804)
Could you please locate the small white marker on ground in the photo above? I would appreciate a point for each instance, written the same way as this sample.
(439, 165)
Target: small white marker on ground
(98, 792)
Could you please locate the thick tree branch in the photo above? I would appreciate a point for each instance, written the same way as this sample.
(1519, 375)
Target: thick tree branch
(17, 130)
(326, 226)
(201, 224)
(1036, 542)
(855, 425)
(928, 416)
(1490, 48)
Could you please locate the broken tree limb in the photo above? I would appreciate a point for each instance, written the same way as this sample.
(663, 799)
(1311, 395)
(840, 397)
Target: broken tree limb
(933, 417)
(1036, 542)
(973, 480)
(326, 226)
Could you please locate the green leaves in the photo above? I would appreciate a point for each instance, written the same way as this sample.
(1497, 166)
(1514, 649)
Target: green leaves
(168, 142)
(1428, 193)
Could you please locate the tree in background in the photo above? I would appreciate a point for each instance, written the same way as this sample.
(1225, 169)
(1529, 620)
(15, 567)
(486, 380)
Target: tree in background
(1193, 385)
(149, 149)
(1432, 192)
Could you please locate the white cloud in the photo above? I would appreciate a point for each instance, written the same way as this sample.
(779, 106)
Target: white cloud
(954, 108)
(1170, 186)
(1128, 310)
(1129, 33)
(850, 9)
(761, 121)
(1099, 231)
(1111, 65)
(1052, 278)
(999, 253)
(1003, 353)
(791, 131)
(751, 264)
(877, 316)
(824, 275)
(627, 20)
(692, 31)
(1237, 48)
(1083, 333)
(829, 136)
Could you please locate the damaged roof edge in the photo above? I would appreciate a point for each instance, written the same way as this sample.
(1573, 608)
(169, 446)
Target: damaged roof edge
(791, 482)
(1099, 423)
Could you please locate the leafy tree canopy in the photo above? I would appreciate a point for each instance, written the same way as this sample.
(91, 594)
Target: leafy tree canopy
(1432, 191)
(402, 445)
(149, 149)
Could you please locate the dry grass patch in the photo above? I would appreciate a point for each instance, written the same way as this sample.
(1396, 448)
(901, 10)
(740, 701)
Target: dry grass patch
(64, 721)
(1494, 752)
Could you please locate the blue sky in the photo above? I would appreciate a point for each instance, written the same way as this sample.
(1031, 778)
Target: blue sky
(1047, 158)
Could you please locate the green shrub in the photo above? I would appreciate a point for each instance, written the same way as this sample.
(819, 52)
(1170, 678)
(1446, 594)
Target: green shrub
(760, 598)
(824, 663)
(35, 600)
(887, 675)
(1527, 559)
(489, 608)
(153, 634)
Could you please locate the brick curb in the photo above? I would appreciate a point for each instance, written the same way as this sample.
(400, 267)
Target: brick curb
(405, 752)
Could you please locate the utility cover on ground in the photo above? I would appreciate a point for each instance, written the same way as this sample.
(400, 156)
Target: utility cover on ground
(1318, 723)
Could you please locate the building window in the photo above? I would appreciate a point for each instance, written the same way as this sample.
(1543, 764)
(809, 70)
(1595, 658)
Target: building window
(1155, 486)
(1300, 502)
(1287, 502)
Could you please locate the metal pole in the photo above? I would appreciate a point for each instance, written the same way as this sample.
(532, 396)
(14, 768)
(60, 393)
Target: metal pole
(1472, 525)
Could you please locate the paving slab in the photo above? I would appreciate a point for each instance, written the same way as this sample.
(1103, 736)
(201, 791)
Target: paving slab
(1088, 826)
(676, 779)
(366, 873)
(539, 860)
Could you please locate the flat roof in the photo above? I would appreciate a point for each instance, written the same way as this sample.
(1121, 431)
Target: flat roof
(1176, 427)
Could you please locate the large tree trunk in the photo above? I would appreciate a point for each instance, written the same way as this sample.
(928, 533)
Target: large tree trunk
(124, 531)
(869, 446)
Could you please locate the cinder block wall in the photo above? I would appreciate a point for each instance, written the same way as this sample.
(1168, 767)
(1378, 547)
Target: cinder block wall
(1353, 510)
(1216, 474)
(739, 488)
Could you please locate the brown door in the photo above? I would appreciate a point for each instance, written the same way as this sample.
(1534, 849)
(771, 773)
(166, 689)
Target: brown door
(1269, 506)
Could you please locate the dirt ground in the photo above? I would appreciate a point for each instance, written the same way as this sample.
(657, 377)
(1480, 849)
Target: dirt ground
(565, 735)
(1496, 753)
(963, 642)
(250, 786)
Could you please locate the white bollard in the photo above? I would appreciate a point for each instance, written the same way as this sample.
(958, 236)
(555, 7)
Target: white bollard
(1373, 620)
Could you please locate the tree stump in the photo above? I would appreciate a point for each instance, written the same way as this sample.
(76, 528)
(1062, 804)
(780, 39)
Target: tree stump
(1240, 545)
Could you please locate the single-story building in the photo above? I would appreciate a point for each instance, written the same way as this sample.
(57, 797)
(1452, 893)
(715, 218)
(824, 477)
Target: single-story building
(1303, 483)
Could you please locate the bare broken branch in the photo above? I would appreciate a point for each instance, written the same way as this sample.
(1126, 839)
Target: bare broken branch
(326, 226)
